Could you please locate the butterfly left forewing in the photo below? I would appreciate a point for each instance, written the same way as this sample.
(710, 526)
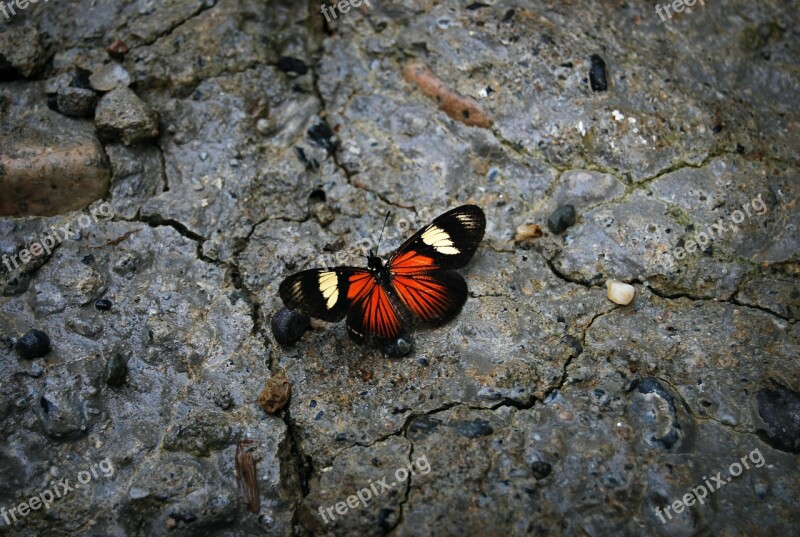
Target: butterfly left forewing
(321, 293)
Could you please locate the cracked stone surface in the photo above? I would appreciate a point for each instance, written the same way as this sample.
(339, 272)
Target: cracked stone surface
(282, 141)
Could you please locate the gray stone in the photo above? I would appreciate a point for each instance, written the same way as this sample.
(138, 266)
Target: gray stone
(77, 102)
(109, 77)
(122, 115)
(21, 48)
(51, 164)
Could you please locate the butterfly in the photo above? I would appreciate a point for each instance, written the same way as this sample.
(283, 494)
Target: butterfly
(417, 283)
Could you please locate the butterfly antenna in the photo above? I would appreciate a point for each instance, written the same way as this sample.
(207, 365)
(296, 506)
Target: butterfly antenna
(380, 237)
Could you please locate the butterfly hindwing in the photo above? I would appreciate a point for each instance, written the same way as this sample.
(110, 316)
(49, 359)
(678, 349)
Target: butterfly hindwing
(321, 293)
(434, 297)
(447, 243)
(373, 311)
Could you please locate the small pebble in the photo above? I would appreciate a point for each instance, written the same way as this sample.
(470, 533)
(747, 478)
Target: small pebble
(109, 77)
(264, 126)
(561, 219)
(275, 394)
(527, 231)
(597, 74)
(397, 348)
(541, 469)
(137, 494)
(118, 49)
(76, 102)
(34, 344)
(103, 304)
(323, 214)
(288, 326)
(620, 292)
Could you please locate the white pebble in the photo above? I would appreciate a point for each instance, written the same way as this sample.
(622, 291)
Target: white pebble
(620, 292)
(137, 494)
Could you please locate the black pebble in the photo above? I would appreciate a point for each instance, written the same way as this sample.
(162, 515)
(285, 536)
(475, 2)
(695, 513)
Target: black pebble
(597, 74)
(779, 408)
(397, 348)
(541, 469)
(103, 304)
(287, 64)
(323, 136)
(116, 370)
(561, 219)
(34, 344)
(288, 326)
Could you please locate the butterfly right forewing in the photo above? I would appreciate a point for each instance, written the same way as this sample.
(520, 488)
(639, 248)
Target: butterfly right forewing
(448, 242)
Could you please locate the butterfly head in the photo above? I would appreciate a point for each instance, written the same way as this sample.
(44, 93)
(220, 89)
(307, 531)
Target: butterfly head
(373, 261)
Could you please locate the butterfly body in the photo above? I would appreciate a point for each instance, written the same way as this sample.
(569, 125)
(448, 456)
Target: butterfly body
(417, 283)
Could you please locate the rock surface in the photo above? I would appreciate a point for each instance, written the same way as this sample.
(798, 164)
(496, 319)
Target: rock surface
(263, 139)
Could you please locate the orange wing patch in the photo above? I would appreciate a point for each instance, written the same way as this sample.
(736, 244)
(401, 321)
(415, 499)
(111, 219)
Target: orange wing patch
(374, 312)
(427, 298)
(361, 283)
(411, 263)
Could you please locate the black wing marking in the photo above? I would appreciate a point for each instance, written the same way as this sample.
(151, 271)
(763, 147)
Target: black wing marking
(321, 293)
(448, 242)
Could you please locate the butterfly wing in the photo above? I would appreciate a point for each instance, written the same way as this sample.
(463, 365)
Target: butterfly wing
(321, 293)
(374, 310)
(446, 243)
(420, 268)
(332, 294)
(434, 297)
